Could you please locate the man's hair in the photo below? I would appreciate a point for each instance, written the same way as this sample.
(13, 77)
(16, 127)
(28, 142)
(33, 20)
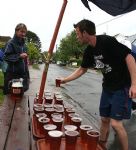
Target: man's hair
(86, 25)
(20, 26)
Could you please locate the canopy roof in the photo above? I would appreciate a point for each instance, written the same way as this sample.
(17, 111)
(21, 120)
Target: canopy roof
(113, 7)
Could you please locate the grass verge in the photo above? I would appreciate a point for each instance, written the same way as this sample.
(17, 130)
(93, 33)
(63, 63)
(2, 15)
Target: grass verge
(1, 84)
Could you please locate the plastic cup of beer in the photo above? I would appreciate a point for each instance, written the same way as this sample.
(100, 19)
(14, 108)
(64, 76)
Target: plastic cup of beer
(71, 115)
(58, 82)
(70, 127)
(58, 122)
(38, 110)
(47, 93)
(48, 99)
(92, 139)
(47, 128)
(68, 111)
(76, 121)
(58, 106)
(56, 115)
(40, 115)
(49, 111)
(60, 111)
(36, 106)
(59, 101)
(83, 132)
(47, 105)
(55, 139)
(42, 121)
(71, 137)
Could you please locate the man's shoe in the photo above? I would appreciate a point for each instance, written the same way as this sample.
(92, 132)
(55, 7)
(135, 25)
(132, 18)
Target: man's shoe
(133, 105)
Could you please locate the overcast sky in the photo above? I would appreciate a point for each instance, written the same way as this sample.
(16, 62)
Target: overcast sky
(41, 16)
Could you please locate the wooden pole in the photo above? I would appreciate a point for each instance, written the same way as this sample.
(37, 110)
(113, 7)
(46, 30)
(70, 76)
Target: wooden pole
(50, 51)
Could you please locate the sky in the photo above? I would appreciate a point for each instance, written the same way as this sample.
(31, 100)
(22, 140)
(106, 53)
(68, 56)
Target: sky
(41, 16)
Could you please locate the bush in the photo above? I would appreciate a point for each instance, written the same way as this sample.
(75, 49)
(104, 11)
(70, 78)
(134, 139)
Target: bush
(35, 66)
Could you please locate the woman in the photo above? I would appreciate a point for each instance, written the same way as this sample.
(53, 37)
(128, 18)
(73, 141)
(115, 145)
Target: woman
(16, 57)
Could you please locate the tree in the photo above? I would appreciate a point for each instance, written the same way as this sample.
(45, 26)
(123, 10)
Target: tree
(32, 37)
(69, 48)
(33, 52)
(34, 47)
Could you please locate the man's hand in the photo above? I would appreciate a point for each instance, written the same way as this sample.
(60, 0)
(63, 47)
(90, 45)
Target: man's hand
(62, 80)
(132, 91)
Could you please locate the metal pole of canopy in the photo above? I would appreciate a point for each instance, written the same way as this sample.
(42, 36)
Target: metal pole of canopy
(50, 51)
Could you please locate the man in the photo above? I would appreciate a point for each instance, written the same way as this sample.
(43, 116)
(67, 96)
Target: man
(16, 57)
(119, 78)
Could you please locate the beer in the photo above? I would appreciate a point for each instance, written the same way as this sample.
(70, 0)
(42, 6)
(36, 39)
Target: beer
(58, 122)
(38, 110)
(42, 121)
(83, 132)
(71, 115)
(55, 139)
(40, 115)
(17, 89)
(71, 139)
(56, 115)
(92, 139)
(70, 127)
(49, 111)
(58, 81)
(76, 121)
(48, 127)
(48, 99)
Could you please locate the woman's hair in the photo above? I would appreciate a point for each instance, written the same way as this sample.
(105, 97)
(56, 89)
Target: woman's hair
(86, 25)
(20, 26)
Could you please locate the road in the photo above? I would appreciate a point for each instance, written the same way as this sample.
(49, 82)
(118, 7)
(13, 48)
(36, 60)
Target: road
(84, 94)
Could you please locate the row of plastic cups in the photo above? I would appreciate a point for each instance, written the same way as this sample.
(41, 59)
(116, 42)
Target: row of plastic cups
(48, 105)
(50, 100)
(58, 121)
(54, 137)
(46, 93)
(48, 110)
(50, 127)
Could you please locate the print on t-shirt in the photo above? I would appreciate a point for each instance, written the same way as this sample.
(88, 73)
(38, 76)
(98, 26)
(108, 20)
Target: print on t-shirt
(105, 68)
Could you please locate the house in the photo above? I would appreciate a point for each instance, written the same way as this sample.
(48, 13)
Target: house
(3, 40)
(126, 40)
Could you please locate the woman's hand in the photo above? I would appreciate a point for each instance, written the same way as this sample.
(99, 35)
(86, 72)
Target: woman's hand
(23, 55)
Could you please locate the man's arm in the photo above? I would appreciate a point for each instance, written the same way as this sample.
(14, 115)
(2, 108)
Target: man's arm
(132, 70)
(76, 74)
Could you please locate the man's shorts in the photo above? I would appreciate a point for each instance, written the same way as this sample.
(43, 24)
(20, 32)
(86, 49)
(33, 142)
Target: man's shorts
(115, 104)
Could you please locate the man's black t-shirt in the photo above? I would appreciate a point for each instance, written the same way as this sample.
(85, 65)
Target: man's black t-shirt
(109, 56)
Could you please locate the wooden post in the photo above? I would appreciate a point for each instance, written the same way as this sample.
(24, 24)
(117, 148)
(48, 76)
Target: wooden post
(50, 51)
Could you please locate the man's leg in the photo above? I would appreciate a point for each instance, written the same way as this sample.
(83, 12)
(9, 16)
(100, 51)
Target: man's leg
(104, 131)
(117, 125)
